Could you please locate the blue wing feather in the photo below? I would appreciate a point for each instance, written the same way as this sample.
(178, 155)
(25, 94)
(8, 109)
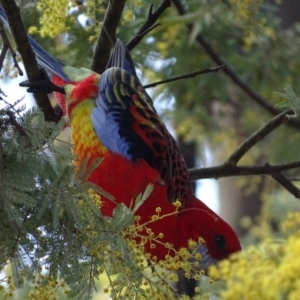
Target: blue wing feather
(113, 121)
(121, 58)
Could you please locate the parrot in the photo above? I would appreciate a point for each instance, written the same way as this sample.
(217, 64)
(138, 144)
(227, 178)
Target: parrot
(112, 117)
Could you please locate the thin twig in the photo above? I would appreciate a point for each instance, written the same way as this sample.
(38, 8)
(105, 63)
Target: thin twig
(12, 106)
(6, 46)
(28, 57)
(3, 55)
(139, 37)
(286, 183)
(257, 137)
(226, 170)
(151, 19)
(189, 75)
(13, 122)
(230, 72)
(20, 230)
(107, 33)
(294, 179)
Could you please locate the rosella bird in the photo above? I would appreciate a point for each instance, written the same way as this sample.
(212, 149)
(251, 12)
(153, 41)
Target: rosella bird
(111, 116)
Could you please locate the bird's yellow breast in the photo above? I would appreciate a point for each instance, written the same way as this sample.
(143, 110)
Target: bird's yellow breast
(85, 142)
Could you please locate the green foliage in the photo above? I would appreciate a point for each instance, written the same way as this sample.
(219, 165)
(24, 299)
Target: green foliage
(48, 219)
(292, 100)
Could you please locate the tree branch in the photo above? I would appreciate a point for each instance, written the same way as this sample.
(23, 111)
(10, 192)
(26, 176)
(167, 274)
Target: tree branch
(7, 46)
(107, 35)
(19, 128)
(28, 57)
(149, 24)
(286, 183)
(109, 27)
(189, 75)
(226, 170)
(257, 136)
(230, 168)
(230, 72)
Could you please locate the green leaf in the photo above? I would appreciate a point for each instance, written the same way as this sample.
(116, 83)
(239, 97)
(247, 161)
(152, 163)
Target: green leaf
(142, 197)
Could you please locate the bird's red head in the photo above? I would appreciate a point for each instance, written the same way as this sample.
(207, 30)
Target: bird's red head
(198, 221)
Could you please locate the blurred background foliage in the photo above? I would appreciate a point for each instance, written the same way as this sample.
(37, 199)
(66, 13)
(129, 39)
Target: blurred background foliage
(259, 39)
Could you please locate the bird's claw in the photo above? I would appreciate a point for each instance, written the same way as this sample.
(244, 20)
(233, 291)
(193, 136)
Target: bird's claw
(42, 85)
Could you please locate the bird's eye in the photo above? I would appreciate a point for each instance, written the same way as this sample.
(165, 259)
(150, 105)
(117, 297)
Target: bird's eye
(220, 242)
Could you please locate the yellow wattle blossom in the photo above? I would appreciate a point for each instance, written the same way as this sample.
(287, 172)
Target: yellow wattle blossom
(292, 222)
(57, 16)
(246, 8)
(95, 197)
(177, 204)
(256, 29)
(268, 271)
(128, 15)
(53, 18)
(192, 244)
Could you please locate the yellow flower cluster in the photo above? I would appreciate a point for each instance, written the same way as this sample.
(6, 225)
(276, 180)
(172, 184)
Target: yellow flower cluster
(42, 287)
(128, 13)
(94, 9)
(246, 8)
(269, 271)
(292, 222)
(170, 37)
(95, 197)
(56, 16)
(48, 291)
(160, 274)
(186, 259)
(10, 286)
(55, 13)
(256, 28)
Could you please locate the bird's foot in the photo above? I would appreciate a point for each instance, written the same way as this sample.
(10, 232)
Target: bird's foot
(43, 85)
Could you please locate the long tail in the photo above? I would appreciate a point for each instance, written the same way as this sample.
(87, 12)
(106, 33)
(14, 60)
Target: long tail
(45, 59)
(121, 58)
